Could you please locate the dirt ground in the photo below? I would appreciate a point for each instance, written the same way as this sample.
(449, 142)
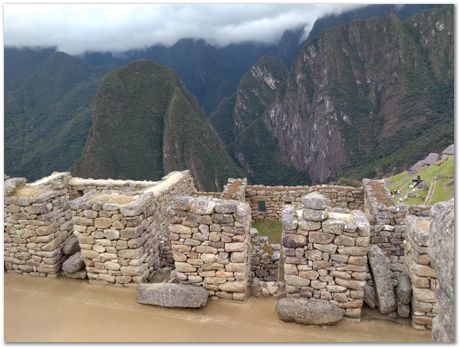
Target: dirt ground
(67, 310)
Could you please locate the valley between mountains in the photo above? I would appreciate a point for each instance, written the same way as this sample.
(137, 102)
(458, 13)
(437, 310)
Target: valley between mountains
(364, 97)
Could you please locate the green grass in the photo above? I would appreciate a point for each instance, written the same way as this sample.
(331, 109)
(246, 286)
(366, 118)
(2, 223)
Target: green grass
(442, 191)
(270, 228)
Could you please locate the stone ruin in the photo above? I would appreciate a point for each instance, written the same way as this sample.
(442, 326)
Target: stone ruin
(123, 232)
(211, 244)
(325, 253)
(121, 226)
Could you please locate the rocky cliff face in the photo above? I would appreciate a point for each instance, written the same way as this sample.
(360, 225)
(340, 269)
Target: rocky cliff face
(239, 122)
(441, 246)
(145, 124)
(359, 100)
(358, 90)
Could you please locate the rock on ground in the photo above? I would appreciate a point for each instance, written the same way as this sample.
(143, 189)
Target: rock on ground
(74, 263)
(403, 289)
(382, 278)
(369, 296)
(71, 245)
(441, 247)
(172, 295)
(309, 311)
(403, 310)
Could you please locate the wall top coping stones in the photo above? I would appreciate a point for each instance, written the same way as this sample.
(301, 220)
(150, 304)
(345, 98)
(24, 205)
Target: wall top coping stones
(378, 193)
(167, 182)
(108, 182)
(50, 178)
(18, 191)
(297, 188)
(11, 185)
(205, 205)
(102, 197)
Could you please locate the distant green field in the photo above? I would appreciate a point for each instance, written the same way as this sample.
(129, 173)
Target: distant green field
(444, 187)
(270, 228)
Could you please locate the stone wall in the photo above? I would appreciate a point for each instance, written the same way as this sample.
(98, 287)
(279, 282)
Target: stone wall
(235, 189)
(325, 253)
(207, 194)
(38, 218)
(79, 186)
(123, 233)
(117, 238)
(388, 221)
(211, 245)
(37, 224)
(273, 199)
(265, 258)
(173, 184)
(422, 275)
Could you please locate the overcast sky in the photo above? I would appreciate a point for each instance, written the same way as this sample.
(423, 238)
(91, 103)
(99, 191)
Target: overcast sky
(75, 28)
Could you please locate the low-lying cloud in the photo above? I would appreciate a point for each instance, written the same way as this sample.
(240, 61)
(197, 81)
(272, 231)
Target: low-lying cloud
(75, 28)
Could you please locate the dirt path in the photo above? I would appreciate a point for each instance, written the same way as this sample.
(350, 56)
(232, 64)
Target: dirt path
(65, 310)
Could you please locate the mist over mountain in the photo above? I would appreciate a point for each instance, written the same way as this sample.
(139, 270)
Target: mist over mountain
(360, 100)
(364, 93)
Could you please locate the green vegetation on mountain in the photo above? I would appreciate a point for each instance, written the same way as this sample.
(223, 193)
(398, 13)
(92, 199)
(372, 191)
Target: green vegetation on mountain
(360, 101)
(426, 83)
(47, 113)
(238, 121)
(145, 124)
(439, 175)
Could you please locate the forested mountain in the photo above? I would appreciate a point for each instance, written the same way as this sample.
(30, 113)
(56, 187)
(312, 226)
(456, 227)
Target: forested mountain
(48, 104)
(146, 124)
(350, 100)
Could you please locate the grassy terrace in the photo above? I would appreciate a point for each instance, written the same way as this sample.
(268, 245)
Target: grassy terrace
(442, 174)
(270, 228)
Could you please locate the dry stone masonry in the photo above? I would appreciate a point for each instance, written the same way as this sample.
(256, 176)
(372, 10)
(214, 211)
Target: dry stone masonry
(123, 232)
(123, 235)
(388, 221)
(117, 237)
(210, 239)
(265, 264)
(268, 202)
(37, 224)
(235, 189)
(325, 253)
(422, 275)
(79, 186)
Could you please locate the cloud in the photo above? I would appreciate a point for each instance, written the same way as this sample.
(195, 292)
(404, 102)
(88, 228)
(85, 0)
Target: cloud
(75, 28)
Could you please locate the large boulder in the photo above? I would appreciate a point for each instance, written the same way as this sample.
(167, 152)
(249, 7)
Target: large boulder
(172, 295)
(441, 249)
(309, 311)
(74, 263)
(71, 245)
(382, 279)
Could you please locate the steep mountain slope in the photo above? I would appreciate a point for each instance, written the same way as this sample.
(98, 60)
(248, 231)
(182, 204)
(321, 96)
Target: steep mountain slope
(330, 21)
(359, 93)
(240, 125)
(48, 100)
(146, 124)
(359, 100)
